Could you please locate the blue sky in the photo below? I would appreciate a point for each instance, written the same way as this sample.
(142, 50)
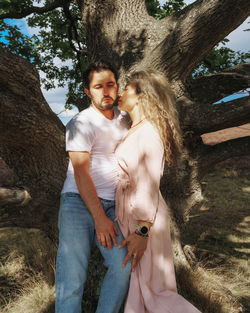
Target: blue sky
(21, 24)
(239, 40)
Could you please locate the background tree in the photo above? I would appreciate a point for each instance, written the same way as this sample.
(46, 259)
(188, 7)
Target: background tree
(176, 43)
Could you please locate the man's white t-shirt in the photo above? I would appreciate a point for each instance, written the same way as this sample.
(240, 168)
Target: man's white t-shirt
(90, 131)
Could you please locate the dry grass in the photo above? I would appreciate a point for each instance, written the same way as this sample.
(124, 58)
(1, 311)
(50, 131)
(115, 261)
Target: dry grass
(26, 271)
(220, 231)
(39, 297)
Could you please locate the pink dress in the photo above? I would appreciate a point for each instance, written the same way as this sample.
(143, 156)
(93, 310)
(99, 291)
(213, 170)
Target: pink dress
(152, 285)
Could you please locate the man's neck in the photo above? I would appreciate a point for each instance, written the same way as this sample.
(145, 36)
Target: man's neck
(109, 114)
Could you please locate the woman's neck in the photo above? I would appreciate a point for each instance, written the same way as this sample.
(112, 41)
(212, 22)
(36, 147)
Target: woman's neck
(136, 117)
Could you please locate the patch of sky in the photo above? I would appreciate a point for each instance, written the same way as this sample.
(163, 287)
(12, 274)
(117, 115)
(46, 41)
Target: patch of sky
(19, 23)
(237, 95)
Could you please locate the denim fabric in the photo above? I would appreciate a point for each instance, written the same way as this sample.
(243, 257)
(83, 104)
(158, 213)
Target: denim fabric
(76, 237)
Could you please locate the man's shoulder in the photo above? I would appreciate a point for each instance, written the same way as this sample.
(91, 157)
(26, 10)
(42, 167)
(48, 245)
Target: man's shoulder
(84, 114)
(82, 117)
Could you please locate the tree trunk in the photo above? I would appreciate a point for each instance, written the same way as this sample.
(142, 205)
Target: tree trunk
(31, 148)
(130, 38)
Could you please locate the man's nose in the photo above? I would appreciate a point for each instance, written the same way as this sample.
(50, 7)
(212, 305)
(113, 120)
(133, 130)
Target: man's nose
(105, 91)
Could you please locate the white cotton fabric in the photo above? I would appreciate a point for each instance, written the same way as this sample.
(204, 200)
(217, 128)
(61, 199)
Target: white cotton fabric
(90, 131)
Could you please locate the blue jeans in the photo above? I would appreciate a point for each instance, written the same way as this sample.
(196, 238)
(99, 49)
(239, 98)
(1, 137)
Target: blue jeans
(76, 237)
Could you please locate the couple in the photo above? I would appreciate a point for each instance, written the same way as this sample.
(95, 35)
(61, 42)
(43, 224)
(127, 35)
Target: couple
(111, 196)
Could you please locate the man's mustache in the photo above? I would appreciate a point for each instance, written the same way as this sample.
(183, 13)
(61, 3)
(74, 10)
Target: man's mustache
(107, 98)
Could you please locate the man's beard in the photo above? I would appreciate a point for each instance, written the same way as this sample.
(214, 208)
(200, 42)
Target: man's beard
(104, 106)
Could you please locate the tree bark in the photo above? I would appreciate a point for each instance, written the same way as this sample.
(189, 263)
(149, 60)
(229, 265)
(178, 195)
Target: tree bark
(205, 117)
(14, 196)
(192, 33)
(213, 87)
(31, 144)
(211, 155)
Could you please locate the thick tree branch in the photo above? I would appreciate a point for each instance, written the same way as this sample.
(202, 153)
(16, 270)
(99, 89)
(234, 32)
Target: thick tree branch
(7, 175)
(186, 45)
(31, 142)
(14, 196)
(203, 118)
(211, 155)
(38, 10)
(213, 87)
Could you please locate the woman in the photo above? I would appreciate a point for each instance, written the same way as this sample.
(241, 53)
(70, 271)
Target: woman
(154, 137)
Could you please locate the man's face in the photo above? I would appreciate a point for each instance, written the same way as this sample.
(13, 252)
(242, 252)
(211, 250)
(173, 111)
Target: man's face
(102, 89)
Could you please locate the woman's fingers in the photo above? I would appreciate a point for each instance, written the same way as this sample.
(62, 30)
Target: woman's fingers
(115, 230)
(123, 243)
(135, 256)
(134, 261)
(136, 248)
(108, 242)
(98, 237)
(103, 240)
(128, 256)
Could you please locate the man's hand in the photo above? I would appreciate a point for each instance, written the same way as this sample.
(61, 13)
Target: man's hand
(105, 231)
(136, 248)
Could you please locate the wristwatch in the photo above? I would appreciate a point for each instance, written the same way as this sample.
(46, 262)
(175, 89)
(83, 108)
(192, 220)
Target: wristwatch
(142, 230)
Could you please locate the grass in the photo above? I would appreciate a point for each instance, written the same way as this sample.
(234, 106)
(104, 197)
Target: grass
(219, 231)
(26, 271)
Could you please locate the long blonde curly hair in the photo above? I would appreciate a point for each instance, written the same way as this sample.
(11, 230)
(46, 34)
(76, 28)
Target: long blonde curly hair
(158, 105)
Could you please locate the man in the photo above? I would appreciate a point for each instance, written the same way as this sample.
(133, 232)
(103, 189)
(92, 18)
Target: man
(87, 210)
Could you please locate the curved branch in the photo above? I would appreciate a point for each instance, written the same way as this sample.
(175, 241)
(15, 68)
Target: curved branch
(211, 155)
(203, 118)
(72, 30)
(33, 9)
(213, 87)
(186, 45)
(72, 27)
(15, 196)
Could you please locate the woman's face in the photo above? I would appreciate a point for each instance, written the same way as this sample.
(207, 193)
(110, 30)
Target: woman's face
(128, 99)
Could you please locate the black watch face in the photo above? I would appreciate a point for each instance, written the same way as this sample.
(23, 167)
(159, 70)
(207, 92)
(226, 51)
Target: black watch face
(144, 230)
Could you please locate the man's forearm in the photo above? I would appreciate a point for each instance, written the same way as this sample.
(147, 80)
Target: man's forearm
(89, 195)
(105, 227)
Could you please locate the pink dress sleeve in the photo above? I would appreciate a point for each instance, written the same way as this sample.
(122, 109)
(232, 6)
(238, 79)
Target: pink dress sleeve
(147, 176)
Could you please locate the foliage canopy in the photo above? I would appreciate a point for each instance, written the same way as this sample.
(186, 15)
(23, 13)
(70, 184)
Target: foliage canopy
(58, 47)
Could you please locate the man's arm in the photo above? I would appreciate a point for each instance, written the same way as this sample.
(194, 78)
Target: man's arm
(105, 228)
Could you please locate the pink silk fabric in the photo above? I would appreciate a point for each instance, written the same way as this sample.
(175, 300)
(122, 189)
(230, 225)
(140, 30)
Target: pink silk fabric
(152, 285)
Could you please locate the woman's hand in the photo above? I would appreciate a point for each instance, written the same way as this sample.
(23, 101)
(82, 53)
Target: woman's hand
(136, 247)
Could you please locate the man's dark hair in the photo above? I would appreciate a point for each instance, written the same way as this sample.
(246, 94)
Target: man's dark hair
(98, 66)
